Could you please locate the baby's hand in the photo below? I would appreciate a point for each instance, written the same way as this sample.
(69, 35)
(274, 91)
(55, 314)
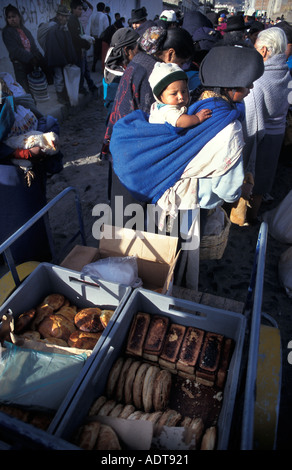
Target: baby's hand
(204, 114)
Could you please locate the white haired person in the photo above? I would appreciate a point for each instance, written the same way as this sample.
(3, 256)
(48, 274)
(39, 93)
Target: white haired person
(266, 110)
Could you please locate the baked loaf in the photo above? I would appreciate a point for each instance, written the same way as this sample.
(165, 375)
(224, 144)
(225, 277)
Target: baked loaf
(155, 337)
(83, 339)
(161, 390)
(138, 384)
(209, 358)
(105, 316)
(113, 377)
(148, 387)
(55, 301)
(190, 350)
(137, 334)
(224, 362)
(24, 321)
(56, 326)
(88, 319)
(172, 346)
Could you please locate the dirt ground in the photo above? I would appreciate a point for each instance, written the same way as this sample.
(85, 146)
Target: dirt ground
(81, 137)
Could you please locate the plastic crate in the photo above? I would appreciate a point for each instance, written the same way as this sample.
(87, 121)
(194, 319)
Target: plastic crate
(184, 312)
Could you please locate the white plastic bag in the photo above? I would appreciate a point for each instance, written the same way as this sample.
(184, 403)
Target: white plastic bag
(123, 270)
(285, 271)
(279, 220)
(72, 80)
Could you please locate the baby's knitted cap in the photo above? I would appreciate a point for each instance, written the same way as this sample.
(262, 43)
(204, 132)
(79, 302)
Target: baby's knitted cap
(163, 74)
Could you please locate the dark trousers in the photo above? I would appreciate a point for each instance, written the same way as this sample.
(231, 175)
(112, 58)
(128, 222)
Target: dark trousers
(97, 49)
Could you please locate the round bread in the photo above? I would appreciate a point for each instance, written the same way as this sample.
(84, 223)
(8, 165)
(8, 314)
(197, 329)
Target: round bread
(197, 425)
(56, 326)
(95, 407)
(54, 300)
(144, 416)
(88, 434)
(128, 388)
(31, 335)
(67, 312)
(113, 377)
(116, 411)
(161, 390)
(127, 411)
(136, 415)
(169, 418)
(147, 390)
(88, 319)
(138, 384)
(106, 316)
(56, 341)
(154, 417)
(119, 395)
(24, 320)
(107, 408)
(42, 311)
(209, 439)
(83, 340)
(186, 422)
(107, 439)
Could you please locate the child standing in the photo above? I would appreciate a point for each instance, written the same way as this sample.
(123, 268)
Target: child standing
(169, 85)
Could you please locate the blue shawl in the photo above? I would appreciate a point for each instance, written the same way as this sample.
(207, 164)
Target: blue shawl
(150, 158)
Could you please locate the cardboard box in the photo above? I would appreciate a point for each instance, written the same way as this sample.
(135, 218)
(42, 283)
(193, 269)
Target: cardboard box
(183, 312)
(156, 255)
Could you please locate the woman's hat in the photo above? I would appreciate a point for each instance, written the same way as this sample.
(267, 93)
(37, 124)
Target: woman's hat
(63, 10)
(137, 15)
(163, 74)
(235, 23)
(231, 67)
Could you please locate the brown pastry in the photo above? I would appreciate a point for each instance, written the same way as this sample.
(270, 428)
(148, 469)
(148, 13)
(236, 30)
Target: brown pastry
(148, 385)
(127, 411)
(161, 390)
(107, 407)
(224, 362)
(31, 335)
(105, 317)
(116, 411)
(67, 312)
(54, 300)
(107, 439)
(155, 337)
(197, 425)
(154, 417)
(128, 388)
(98, 403)
(172, 346)
(169, 418)
(209, 439)
(88, 319)
(88, 434)
(190, 350)
(113, 377)
(83, 339)
(135, 415)
(56, 326)
(24, 321)
(56, 341)
(138, 384)
(119, 395)
(209, 359)
(42, 311)
(137, 334)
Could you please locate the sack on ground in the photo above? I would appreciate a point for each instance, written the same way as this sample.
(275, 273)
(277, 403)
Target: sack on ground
(279, 220)
(72, 80)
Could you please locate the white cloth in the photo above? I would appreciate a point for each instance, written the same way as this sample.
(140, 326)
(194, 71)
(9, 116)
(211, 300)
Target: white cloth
(98, 23)
(160, 114)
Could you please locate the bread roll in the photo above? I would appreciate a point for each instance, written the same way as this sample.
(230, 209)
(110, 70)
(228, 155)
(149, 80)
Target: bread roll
(107, 407)
(137, 334)
(88, 435)
(88, 319)
(116, 411)
(138, 384)
(197, 425)
(154, 417)
(106, 316)
(148, 385)
(128, 388)
(98, 403)
(42, 311)
(107, 439)
(135, 415)
(55, 301)
(155, 337)
(113, 377)
(209, 439)
(56, 326)
(83, 339)
(31, 335)
(169, 418)
(24, 321)
(190, 350)
(67, 312)
(56, 341)
(172, 346)
(127, 411)
(119, 395)
(161, 390)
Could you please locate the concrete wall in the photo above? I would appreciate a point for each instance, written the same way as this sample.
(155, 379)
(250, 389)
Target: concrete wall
(35, 12)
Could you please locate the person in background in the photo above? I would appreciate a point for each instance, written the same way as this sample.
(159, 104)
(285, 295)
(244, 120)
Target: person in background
(98, 24)
(139, 21)
(59, 51)
(266, 110)
(222, 25)
(87, 10)
(168, 19)
(235, 30)
(107, 11)
(81, 45)
(252, 33)
(287, 28)
(22, 48)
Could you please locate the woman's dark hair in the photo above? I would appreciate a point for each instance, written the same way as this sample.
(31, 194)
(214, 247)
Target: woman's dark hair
(12, 9)
(181, 41)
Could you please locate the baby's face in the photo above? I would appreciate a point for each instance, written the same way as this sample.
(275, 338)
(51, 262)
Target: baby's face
(177, 93)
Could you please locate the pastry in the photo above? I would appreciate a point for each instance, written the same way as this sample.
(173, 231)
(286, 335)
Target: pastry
(209, 439)
(107, 407)
(107, 439)
(209, 359)
(67, 312)
(161, 390)
(224, 362)
(83, 339)
(55, 301)
(137, 334)
(24, 321)
(172, 346)
(119, 394)
(190, 350)
(155, 337)
(88, 435)
(105, 317)
(138, 384)
(169, 418)
(57, 326)
(98, 403)
(56, 341)
(116, 411)
(127, 411)
(113, 377)
(147, 390)
(31, 335)
(128, 388)
(88, 319)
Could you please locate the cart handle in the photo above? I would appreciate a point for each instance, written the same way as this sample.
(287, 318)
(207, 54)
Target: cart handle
(5, 246)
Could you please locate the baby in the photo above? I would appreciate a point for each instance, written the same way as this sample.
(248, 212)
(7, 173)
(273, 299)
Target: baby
(169, 84)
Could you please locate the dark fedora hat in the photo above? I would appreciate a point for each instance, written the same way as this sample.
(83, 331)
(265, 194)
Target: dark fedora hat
(235, 23)
(138, 15)
(231, 67)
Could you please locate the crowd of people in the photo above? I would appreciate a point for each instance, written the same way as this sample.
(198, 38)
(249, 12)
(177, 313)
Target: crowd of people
(215, 87)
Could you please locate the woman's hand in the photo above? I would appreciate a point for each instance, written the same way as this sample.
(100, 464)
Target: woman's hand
(26, 154)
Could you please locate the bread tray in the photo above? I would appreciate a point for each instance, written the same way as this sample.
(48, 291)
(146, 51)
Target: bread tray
(179, 311)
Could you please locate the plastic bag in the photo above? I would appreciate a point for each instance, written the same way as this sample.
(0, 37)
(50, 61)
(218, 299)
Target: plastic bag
(36, 378)
(122, 270)
(72, 80)
(285, 271)
(215, 222)
(279, 220)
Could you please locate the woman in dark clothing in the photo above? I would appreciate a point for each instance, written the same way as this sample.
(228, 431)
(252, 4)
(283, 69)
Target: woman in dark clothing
(134, 92)
(23, 51)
